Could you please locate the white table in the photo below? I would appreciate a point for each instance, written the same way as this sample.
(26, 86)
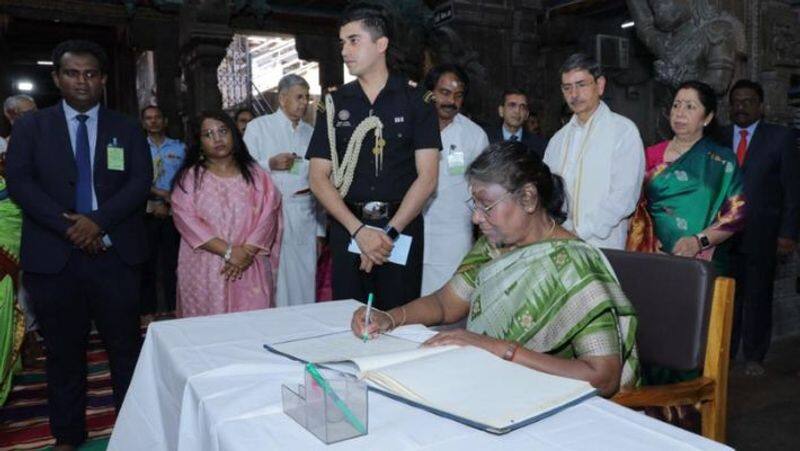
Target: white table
(207, 384)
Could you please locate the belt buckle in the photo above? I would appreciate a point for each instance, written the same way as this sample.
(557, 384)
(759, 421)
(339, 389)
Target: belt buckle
(375, 210)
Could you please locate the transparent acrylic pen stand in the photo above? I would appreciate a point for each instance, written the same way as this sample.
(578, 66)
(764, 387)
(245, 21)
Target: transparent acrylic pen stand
(309, 406)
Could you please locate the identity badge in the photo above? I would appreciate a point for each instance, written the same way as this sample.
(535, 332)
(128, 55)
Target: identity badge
(115, 156)
(297, 166)
(455, 161)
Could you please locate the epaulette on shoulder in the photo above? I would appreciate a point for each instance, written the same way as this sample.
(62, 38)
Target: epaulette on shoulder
(427, 97)
(321, 101)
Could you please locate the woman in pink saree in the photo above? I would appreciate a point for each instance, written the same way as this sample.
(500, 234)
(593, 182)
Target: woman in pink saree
(228, 213)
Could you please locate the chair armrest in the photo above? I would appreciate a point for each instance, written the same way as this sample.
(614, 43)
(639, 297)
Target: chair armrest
(681, 393)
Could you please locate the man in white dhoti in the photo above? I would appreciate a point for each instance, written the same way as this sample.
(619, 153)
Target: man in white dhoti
(448, 224)
(600, 156)
(278, 142)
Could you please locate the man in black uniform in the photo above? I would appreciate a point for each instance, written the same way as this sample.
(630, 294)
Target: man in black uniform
(380, 185)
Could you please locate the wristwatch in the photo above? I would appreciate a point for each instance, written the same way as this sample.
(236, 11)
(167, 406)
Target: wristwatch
(702, 238)
(392, 232)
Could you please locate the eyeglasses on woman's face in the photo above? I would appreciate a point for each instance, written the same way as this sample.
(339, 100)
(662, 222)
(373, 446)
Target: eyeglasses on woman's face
(474, 205)
(211, 134)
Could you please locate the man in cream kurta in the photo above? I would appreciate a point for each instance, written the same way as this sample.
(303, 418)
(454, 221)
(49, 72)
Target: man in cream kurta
(277, 142)
(448, 224)
(600, 156)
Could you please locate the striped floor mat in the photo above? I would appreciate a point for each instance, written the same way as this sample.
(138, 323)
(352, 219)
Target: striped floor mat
(23, 419)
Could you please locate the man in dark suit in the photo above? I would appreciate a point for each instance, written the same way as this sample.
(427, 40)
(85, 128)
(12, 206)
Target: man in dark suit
(514, 112)
(81, 175)
(771, 171)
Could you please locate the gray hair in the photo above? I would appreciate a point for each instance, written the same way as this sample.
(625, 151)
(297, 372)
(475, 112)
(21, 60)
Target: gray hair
(508, 164)
(12, 103)
(289, 81)
(582, 61)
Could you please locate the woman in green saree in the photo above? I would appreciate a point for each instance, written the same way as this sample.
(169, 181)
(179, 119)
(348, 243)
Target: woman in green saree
(531, 292)
(692, 199)
(12, 323)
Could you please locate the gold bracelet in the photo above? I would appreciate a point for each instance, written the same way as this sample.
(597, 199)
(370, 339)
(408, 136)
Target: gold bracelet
(390, 318)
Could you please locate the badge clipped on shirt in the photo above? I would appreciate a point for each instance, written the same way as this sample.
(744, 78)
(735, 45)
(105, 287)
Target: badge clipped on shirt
(297, 165)
(115, 156)
(455, 161)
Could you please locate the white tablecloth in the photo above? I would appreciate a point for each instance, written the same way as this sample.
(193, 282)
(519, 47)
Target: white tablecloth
(208, 384)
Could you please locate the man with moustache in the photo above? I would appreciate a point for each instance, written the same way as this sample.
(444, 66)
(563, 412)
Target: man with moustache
(81, 174)
(275, 141)
(514, 112)
(600, 156)
(168, 155)
(379, 139)
(448, 224)
(768, 156)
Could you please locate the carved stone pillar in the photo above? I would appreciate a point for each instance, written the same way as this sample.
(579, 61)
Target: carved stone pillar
(204, 36)
(507, 31)
(778, 56)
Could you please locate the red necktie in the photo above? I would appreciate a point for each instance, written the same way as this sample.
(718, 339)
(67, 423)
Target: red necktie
(741, 149)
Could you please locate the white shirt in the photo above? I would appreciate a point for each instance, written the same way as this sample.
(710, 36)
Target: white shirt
(602, 163)
(448, 220)
(507, 134)
(91, 129)
(266, 137)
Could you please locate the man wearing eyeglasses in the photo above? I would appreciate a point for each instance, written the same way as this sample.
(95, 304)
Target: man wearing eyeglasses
(81, 174)
(278, 141)
(514, 112)
(600, 156)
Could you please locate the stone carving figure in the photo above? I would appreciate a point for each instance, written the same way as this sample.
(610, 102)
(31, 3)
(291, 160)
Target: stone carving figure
(691, 39)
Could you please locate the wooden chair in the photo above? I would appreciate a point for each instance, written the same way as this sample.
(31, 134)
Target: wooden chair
(685, 314)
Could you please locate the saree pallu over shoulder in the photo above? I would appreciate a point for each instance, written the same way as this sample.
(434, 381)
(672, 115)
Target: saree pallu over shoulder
(12, 325)
(545, 295)
(702, 188)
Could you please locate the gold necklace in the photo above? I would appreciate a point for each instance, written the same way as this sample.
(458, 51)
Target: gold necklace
(550, 231)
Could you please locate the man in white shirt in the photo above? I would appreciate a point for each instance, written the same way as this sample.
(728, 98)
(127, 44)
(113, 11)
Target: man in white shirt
(600, 156)
(278, 142)
(448, 224)
(13, 108)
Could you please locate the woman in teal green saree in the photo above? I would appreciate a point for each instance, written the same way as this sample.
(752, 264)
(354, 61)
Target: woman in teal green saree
(692, 199)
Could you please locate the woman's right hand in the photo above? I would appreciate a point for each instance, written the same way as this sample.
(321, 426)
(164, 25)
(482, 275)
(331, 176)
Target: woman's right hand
(241, 257)
(379, 322)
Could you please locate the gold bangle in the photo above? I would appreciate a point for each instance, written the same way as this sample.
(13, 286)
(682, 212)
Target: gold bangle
(403, 308)
(390, 318)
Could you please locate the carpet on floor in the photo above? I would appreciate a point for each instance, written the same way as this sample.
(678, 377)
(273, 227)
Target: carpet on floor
(24, 418)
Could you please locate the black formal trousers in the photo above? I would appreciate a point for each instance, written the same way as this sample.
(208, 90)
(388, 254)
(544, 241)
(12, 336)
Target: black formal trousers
(101, 288)
(752, 314)
(392, 285)
(164, 240)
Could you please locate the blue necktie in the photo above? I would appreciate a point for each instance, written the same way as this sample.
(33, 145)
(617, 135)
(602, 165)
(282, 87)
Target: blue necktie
(83, 187)
(513, 138)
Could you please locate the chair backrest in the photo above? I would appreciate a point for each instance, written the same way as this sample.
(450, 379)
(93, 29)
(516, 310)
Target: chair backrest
(672, 297)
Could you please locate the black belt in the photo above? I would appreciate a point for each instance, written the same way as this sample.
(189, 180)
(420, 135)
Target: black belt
(373, 210)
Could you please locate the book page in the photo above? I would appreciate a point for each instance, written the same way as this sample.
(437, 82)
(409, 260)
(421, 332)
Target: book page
(479, 386)
(343, 346)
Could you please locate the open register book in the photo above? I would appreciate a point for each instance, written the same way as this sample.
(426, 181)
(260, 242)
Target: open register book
(466, 384)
